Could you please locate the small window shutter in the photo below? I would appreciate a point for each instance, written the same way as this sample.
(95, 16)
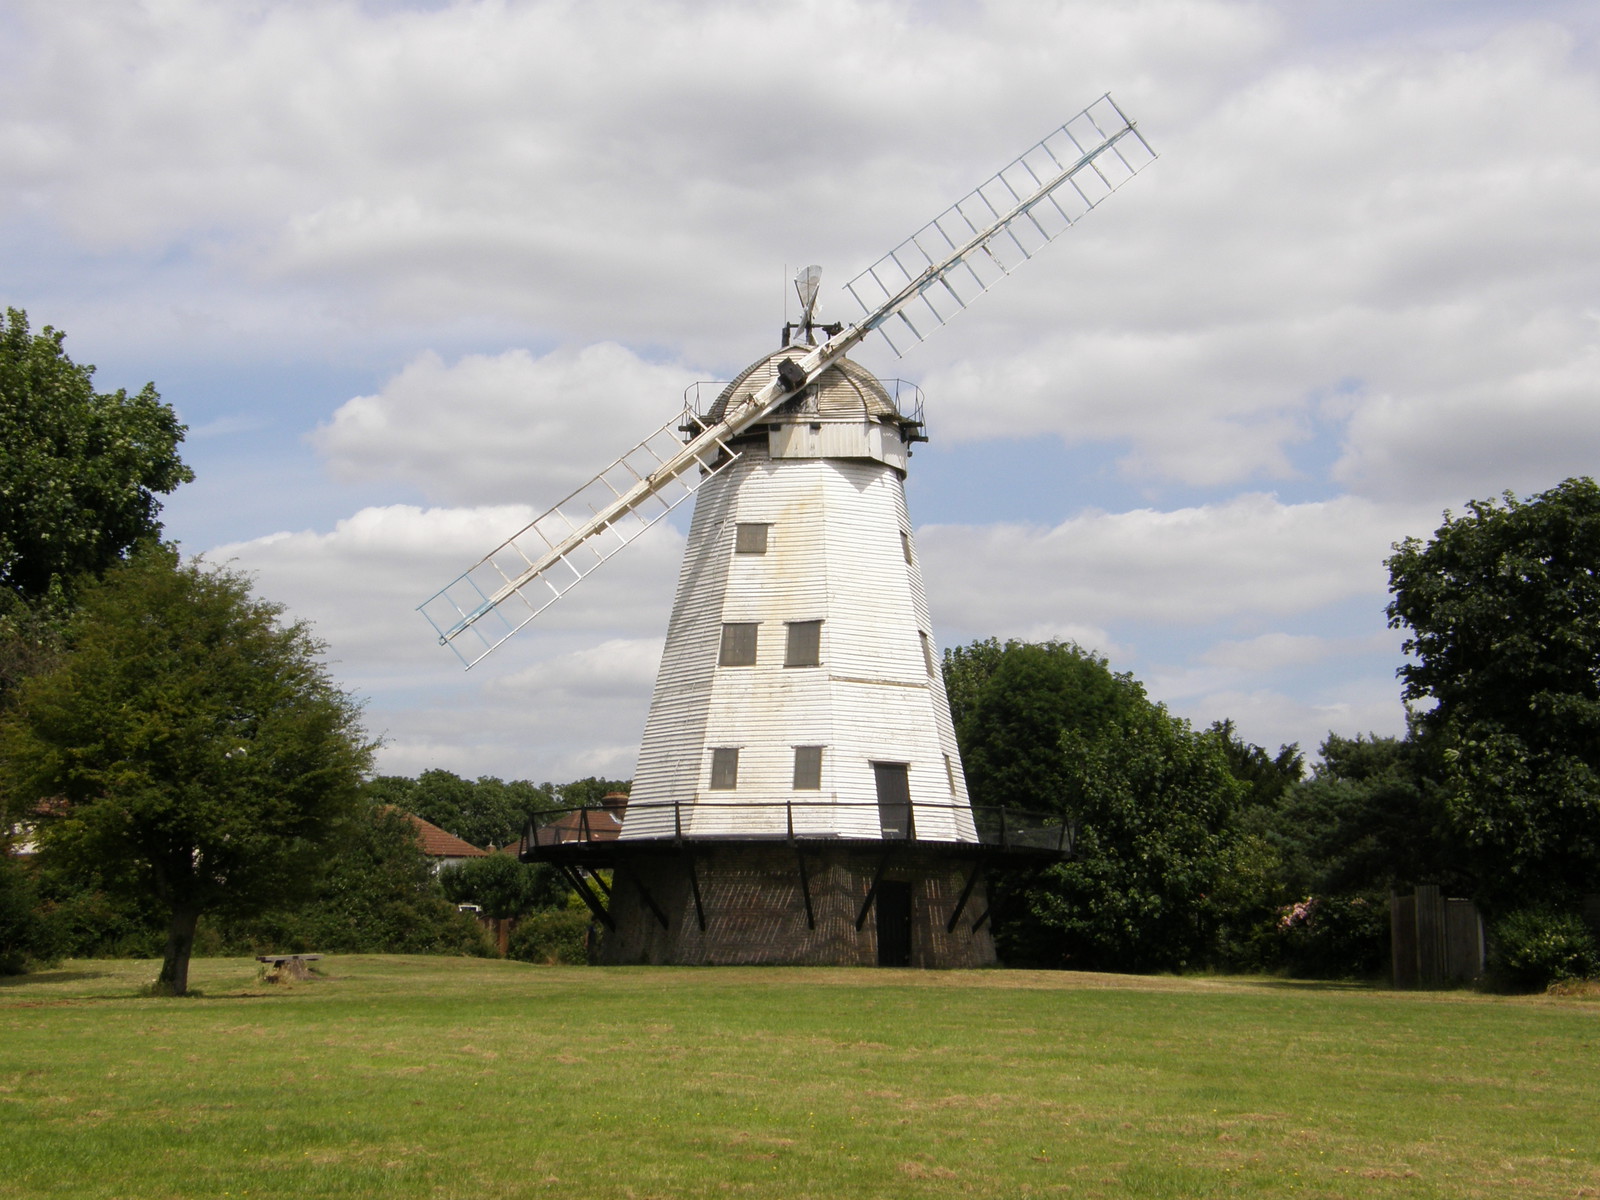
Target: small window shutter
(738, 645)
(749, 538)
(927, 651)
(725, 768)
(805, 644)
(905, 546)
(807, 768)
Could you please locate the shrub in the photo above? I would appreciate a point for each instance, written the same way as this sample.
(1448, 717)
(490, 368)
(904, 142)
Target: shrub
(552, 936)
(26, 937)
(1533, 948)
(1334, 937)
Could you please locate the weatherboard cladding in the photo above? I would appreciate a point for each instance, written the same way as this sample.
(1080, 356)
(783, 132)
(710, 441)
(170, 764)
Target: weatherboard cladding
(835, 553)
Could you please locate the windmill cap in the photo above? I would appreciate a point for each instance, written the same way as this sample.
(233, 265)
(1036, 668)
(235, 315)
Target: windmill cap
(846, 391)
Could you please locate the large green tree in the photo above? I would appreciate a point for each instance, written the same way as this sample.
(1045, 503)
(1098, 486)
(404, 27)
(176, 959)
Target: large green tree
(1161, 862)
(190, 746)
(1370, 818)
(80, 470)
(376, 894)
(1502, 609)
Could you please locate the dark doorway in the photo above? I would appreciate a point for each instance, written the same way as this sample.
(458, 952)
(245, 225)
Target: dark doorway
(894, 800)
(894, 923)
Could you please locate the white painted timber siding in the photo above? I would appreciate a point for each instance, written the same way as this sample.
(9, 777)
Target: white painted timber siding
(834, 554)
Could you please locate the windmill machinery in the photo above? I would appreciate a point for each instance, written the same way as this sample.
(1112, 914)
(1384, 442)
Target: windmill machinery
(799, 796)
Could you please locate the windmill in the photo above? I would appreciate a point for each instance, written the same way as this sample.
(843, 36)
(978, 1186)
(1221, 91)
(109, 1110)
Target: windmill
(799, 773)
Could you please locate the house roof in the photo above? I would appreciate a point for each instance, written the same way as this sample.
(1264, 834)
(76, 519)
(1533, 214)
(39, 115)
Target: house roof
(590, 824)
(436, 843)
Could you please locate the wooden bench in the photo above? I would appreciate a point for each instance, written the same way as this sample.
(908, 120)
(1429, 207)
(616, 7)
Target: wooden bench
(292, 966)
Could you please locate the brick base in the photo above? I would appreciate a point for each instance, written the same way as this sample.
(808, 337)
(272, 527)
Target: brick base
(755, 911)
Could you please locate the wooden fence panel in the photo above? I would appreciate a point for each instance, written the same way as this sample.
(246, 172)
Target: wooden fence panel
(1434, 941)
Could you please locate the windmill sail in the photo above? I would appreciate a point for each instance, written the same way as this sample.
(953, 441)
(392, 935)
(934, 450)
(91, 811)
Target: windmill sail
(988, 233)
(912, 290)
(534, 567)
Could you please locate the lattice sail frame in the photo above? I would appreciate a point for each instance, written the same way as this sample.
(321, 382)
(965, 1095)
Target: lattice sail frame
(934, 274)
(988, 233)
(498, 594)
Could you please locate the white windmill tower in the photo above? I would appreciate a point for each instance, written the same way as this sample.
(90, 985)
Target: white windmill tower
(799, 773)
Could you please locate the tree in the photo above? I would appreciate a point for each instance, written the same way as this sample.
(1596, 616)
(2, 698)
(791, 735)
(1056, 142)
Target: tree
(1160, 859)
(375, 895)
(1266, 776)
(1157, 845)
(1370, 818)
(587, 792)
(485, 812)
(80, 470)
(1016, 702)
(193, 747)
(500, 885)
(1503, 612)
(25, 936)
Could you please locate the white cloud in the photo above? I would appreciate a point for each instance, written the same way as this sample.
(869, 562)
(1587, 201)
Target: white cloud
(1240, 560)
(360, 585)
(1410, 222)
(1273, 718)
(1361, 272)
(1268, 651)
(563, 699)
(502, 428)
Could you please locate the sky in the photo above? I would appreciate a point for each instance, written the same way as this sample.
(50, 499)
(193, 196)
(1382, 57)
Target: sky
(411, 272)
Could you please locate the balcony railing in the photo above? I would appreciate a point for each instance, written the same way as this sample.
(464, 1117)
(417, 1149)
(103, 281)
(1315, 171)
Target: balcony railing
(790, 820)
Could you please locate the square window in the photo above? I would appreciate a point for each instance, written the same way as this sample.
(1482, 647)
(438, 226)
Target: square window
(807, 768)
(738, 645)
(724, 768)
(804, 648)
(749, 538)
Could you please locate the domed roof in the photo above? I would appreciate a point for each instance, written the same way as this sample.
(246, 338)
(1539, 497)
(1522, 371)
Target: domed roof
(845, 391)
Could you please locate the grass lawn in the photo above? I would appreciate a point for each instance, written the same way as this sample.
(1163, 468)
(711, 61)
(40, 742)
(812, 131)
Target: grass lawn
(402, 1077)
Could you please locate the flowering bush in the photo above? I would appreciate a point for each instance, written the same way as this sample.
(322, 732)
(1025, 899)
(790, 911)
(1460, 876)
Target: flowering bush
(1297, 915)
(1334, 937)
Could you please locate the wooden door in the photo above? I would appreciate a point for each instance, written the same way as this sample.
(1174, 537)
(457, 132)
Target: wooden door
(894, 923)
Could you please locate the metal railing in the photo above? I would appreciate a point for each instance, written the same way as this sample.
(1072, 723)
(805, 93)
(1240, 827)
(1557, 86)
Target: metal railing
(803, 820)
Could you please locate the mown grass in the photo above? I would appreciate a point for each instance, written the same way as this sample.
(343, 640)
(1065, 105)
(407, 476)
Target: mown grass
(450, 1078)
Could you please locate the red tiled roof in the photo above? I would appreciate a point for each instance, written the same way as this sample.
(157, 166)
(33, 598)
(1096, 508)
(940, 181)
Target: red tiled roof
(436, 843)
(592, 824)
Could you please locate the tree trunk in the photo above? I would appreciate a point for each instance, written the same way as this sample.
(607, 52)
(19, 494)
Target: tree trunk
(174, 977)
(502, 931)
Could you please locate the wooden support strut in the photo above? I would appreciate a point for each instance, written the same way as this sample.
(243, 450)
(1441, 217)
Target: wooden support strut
(650, 901)
(805, 888)
(694, 886)
(586, 894)
(966, 894)
(872, 892)
(986, 915)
